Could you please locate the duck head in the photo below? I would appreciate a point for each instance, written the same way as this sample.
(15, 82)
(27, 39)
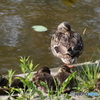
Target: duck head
(63, 27)
(64, 68)
(43, 69)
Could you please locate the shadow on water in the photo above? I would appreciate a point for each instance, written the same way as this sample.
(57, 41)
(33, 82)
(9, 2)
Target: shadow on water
(17, 38)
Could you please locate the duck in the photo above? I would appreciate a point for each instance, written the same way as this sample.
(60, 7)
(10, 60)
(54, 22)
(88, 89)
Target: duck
(66, 44)
(44, 74)
(17, 83)
(62, 74)
(3, 81)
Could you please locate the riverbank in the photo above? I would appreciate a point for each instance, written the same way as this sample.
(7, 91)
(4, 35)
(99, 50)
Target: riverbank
(54, 72)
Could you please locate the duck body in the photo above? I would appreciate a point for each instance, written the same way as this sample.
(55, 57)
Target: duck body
(66, 44)
(17, 83)
(43, 74)
(62, 75)
(3, 81)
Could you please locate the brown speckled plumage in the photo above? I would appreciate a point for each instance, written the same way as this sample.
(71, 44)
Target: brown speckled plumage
(66, 44)
(62, 75)
(43, 74)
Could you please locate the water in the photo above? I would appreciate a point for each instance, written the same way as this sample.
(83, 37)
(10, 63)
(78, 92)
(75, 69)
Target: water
(17, 38)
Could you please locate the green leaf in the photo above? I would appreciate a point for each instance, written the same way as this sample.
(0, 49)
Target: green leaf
(31, 66)
(35, 67)
(65, 83)
(39, 28)
(68, 2)
(44, 84)
(10, 76)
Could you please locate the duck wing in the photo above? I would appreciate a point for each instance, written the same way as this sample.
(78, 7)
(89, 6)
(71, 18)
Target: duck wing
(56, 47)
(76, 45)
(60, 49)
(64, 44)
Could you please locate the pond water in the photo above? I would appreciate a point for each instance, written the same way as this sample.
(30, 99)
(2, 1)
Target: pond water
(17, 38)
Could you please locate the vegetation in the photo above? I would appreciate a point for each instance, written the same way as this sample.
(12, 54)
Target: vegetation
(86, 79)
(88, 76)
(31, 91)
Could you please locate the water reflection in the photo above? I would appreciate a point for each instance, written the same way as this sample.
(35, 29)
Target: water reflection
(10, 30)
(17, 38)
